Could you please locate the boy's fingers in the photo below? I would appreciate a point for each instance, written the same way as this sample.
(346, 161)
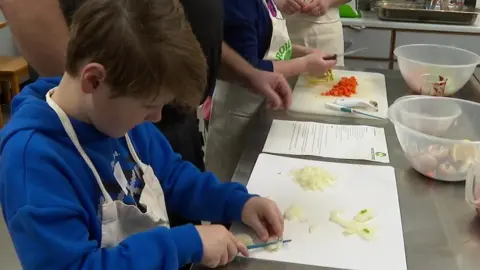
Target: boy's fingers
(232, 249)
(275, 223)
(242, 249)
(257, 225)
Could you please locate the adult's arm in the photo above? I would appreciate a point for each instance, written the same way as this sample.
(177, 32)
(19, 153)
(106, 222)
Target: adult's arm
(241, 35)
(40, 32)
(234, 67)
(273, 86)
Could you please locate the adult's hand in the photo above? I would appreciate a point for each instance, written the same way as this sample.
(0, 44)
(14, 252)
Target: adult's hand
(316, 7)
(316, 65)
(273, 86)
(290, 6)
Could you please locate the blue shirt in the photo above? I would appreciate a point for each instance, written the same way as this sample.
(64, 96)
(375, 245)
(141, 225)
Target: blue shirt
(248, 30)
(50, 198)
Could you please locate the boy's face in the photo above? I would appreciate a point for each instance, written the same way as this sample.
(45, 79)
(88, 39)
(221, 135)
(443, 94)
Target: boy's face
(116, 116)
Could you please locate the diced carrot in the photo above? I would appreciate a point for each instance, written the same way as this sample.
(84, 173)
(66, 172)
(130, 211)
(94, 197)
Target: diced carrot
(347, 86)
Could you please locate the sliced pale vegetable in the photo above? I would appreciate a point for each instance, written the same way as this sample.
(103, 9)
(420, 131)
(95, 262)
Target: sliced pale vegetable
(348, 225)
(364, 215)
(245, 239)
(312, 228)
(314, 80)
(366, 233)
(274, 247)
(294, 213)
(354, 226)
(313, 178)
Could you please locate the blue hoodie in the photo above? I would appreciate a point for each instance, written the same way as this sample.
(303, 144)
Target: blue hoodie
(50, 198)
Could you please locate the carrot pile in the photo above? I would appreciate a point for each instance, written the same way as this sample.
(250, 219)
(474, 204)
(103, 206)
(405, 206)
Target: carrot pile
(346, 87)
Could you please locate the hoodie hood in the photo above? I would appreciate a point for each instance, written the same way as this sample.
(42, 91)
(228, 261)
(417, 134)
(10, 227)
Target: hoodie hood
(30, 111)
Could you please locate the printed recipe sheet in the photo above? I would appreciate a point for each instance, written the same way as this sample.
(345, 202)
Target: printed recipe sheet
(327, 140)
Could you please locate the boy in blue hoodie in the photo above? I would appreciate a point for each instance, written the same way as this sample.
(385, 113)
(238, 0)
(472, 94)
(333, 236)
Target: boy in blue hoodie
(85, 178)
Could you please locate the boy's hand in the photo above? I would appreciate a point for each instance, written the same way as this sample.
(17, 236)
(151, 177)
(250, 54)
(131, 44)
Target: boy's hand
(264, 217)
(219, 245)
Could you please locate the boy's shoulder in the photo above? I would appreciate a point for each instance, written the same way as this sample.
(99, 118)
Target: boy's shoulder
(30, 163)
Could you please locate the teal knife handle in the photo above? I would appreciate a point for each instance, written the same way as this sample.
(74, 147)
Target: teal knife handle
(347, 110)
(254, 246)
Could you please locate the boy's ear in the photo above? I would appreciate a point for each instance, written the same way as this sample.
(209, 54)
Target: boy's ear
(92, 75)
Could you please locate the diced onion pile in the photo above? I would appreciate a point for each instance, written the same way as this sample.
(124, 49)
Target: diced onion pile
(313, 178)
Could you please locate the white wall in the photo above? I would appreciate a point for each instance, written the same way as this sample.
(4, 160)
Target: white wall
(7, 45)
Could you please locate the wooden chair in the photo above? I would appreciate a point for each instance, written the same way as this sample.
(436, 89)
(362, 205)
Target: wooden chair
(12, 70)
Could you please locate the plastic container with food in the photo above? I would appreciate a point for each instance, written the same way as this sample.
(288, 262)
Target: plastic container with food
(453, 66)
(472, 187)
(444, 153)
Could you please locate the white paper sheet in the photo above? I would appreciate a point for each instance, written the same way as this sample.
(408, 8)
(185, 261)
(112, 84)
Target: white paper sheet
(326, 140)
(357, 187)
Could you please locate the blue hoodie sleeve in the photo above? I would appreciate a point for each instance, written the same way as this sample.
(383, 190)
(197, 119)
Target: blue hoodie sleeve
(240, 31)
(189, 192)
(50, 228)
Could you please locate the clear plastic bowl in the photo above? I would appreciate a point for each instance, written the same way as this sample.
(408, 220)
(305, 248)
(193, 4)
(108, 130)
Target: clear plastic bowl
(453, 64)
(449, 154)
(434, 118)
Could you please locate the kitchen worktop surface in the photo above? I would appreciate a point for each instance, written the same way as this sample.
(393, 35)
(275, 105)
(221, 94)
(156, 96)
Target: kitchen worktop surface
(440, 229)
(370, 19)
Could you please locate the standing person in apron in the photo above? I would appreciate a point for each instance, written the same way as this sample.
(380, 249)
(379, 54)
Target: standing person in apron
(315, 24)
(80, 156)
(258, 32)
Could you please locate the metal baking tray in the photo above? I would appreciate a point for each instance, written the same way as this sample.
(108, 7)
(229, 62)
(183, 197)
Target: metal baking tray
(426, 13)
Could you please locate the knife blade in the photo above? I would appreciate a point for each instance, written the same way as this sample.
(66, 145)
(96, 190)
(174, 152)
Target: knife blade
(333, 57)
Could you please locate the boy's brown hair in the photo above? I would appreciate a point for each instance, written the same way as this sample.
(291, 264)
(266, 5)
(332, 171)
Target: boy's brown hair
(146, 47)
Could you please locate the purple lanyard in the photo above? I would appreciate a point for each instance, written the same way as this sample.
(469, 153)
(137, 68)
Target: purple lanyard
(272, 8)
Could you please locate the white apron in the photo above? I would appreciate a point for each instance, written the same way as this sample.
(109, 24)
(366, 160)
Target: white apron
(120, 220)
(233, 107)
(324, 32)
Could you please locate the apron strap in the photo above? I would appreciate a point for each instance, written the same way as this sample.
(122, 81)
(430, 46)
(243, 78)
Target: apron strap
(67, 125)
(135, 157)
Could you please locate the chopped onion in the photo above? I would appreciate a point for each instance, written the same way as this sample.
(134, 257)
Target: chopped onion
(294, 213)
(364, 215)
(354, 226)
(312, 228)
(313, 178)
(274, 247)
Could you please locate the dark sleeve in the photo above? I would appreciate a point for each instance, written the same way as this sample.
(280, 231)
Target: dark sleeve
(206, 20)
(241, 30)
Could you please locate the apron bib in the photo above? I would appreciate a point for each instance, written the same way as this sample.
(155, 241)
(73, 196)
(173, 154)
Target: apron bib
(324, 32)
(233, 106)
(120, 220)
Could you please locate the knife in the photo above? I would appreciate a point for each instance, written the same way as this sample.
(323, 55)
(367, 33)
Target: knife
(266, 244)
(334, 57)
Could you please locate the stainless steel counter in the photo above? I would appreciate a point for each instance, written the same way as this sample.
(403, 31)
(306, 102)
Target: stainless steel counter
(440, 229)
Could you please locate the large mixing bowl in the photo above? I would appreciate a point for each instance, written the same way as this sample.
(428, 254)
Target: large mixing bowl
(420, 64)
(449, 153)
